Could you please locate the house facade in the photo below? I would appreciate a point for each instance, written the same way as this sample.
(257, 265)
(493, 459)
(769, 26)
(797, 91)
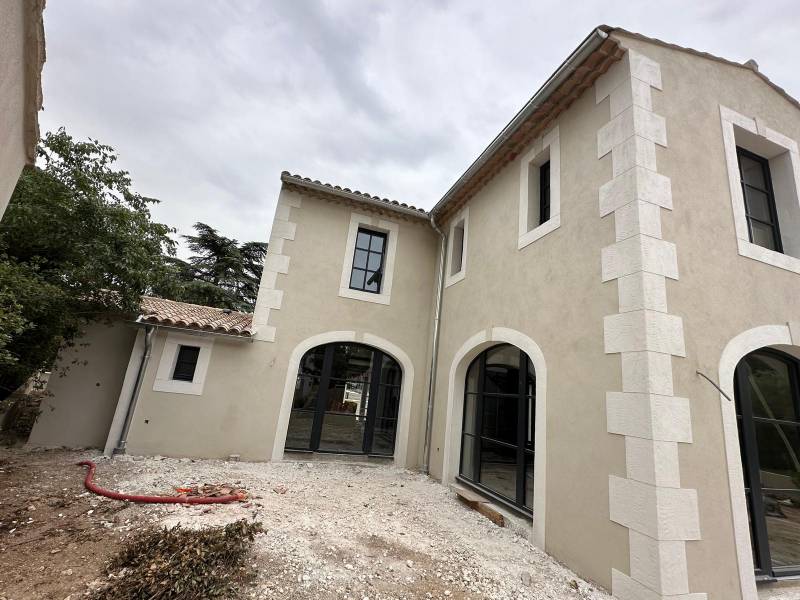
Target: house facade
(21, 60)
(597, 327)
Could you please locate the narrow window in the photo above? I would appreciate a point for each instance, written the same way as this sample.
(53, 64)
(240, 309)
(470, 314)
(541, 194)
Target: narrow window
(186, 363)
(367, 273)
(457, 256)
(759, 200)
(544, 192)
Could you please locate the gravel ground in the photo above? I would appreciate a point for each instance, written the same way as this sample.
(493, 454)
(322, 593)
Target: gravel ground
(348, 531)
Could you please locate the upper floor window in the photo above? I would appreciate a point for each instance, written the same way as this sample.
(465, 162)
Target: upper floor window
(367, 273)
(759, 200)
(186, 363)
(369, 257)
(544, 193)
(540, 189)
(764, 179)
(457, 248)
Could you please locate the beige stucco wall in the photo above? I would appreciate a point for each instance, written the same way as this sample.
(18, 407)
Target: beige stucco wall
(551, 292)
(239, 408)
(12, 97)
(719, 294)
(82, 404)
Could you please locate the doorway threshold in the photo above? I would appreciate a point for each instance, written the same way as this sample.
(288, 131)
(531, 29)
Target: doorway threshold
(361, 460)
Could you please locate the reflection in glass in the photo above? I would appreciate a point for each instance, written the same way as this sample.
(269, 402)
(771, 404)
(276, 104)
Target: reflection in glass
(499, 469)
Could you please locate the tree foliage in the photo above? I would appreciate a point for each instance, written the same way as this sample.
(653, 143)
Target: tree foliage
(76, 244)
(221, 272)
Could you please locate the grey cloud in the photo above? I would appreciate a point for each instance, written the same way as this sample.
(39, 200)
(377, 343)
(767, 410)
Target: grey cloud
(208, 101)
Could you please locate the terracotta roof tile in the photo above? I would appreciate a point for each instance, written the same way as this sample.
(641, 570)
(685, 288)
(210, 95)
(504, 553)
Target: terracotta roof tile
(288, 177)
(193, 316)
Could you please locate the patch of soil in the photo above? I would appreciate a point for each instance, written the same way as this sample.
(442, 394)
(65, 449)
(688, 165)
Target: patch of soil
(55, 537)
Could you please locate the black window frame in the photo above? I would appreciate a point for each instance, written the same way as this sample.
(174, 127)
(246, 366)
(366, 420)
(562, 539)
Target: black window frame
(525, 451)
(182, 361)
(748, 444)
(376, 385)
(369, 274)
(769, 192)
(544, 192)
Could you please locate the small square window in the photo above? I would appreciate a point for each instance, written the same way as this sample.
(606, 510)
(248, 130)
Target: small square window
(759, 200)
(367, 271)
(186, 363)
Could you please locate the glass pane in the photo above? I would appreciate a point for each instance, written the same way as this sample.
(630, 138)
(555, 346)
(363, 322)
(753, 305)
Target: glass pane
(472, 376)
(390, 371)
(388, 401)
(349, 397)
(758, 204)
(377, 243)
(305, 392)
(503, 355)
(467, 456)
(352, 361)
(373, 282)
(362, 240)
(298, 435)
(752, 172)
(782, 510)
(763, 235)
(360, 259)
(500, 418)
(374, 262)
(311, 363)
(383, 436)
(502, 370)
(470, 409)
(342, 433)
(770, 387)
(530, 382)
(529, 480)
(498, 469)
(778, 455)
(530, 434)
(357, 279)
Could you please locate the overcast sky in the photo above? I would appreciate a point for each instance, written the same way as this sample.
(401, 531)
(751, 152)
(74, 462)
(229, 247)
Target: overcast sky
(208, 101)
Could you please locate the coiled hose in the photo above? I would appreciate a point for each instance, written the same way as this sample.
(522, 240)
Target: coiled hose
(93, 487)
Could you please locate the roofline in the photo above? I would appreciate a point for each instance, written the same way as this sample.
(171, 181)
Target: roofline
(316, 186)
(141, 322)
(591, 43)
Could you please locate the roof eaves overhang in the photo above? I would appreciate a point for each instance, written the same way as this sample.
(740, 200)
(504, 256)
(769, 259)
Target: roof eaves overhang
(143, 322)
(594, 42)
(343, 193)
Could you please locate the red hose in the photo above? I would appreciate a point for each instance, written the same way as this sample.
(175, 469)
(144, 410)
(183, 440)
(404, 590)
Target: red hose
(92, 487)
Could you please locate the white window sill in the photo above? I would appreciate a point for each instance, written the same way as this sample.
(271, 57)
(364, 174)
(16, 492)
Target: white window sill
(176, 386)
(364, 296)
(454, 279)
(539, 232)
(765, 255)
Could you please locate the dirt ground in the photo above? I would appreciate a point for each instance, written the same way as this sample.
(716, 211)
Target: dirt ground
(332, 531)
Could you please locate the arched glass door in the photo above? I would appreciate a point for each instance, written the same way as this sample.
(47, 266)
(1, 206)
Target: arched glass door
(346, 400)
(497, 444)
(768, 414)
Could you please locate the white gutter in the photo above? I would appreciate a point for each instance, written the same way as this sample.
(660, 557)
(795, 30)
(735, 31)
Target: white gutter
(573, 61)
(426, 453)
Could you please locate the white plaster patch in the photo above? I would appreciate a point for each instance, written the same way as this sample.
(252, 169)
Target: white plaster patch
(644, 330)
(647, 372)
(633, 152)
(660, 565)
(626, 588)
(649, 416)
(637, 217)
(636, 183)
(652, 461)
(659, 512)
(639, 253)
(642, 290)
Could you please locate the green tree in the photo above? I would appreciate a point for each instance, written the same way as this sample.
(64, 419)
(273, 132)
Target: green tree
(76, 244)
(221, 272)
